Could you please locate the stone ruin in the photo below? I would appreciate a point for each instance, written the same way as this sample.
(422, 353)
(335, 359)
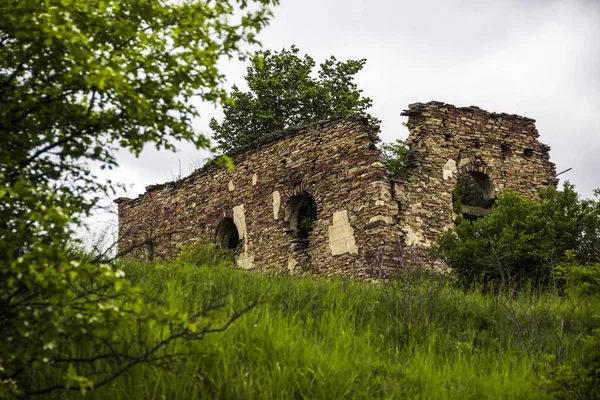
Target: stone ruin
(367, 225)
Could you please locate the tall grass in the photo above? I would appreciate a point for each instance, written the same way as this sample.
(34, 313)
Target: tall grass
(416, 337)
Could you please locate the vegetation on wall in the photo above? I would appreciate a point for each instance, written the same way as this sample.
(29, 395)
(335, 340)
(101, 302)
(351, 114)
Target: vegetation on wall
(78, 80)
(283, 92)
(396, 158)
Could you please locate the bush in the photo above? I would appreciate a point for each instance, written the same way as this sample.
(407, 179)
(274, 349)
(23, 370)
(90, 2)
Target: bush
(204, 253)
(584, 279)
(580, 380)
(524, 240)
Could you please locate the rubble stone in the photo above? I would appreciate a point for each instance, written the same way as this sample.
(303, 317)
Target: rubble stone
(368, 225)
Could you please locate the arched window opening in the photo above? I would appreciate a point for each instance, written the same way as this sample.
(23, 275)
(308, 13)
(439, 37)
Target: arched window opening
(473, 196)
(149, 250)
(302, 212)
(228, 236)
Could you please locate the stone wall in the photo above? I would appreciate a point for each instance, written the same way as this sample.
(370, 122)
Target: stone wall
(501, 151)
(335, 161)
(367, 225)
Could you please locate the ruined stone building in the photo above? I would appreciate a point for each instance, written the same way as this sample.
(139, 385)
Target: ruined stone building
(366, 224)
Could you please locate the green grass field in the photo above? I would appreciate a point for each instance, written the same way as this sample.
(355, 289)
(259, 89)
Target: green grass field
(417, 337)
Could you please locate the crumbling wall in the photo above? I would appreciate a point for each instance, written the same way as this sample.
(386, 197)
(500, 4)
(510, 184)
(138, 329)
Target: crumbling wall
(367, 225)
(335, 161)
(501, 151)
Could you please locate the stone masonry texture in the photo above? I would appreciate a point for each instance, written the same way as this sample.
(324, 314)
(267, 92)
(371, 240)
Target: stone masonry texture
(367, 225)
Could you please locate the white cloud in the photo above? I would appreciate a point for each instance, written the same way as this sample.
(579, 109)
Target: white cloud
(537, 58)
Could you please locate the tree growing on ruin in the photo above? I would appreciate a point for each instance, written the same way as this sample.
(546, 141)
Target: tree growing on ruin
(396, 158)
(80, 79)
(284, 91)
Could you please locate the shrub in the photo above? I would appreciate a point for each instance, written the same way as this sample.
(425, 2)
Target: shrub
(524, 240)
(584, 279)
(580, 380)
(204, 253)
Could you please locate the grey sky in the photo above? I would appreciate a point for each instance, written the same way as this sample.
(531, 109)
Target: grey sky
(537, 58)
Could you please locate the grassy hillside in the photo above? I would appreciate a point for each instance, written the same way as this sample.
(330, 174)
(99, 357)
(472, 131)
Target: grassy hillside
(418, 337)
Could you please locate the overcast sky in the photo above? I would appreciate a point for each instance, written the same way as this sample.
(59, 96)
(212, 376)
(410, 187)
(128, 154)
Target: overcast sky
(536, 58)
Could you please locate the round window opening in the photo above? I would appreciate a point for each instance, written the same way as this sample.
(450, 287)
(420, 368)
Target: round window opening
(227, 235)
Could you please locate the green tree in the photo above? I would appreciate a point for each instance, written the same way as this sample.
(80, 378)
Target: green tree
(396, 158)
(78, 80)
(283, 92)
(525, 240)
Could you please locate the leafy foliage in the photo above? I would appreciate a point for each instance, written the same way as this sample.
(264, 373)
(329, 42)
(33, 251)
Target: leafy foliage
(396, 157)
(79, 79)
(283, 92)
(524, 240)
(579, 380)
(576, 277)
